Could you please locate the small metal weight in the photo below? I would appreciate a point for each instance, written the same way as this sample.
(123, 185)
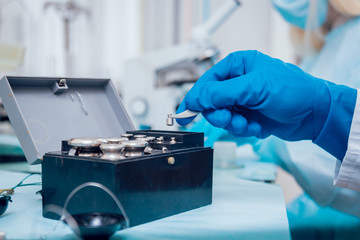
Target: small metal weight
(103, 140)
(134, 148)
(173, 141)
(86, 147)
(112, 151)
(148, 149)
(151, 138)
(160, 139)
(139, 136)
(127, 135)
(112, 140)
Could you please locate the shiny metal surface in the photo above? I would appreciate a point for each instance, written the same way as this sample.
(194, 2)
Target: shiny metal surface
(88, 154)
(173, 141)
(134, 148)
(103, 140)
(112, 151)
(127, 135)
(160, 139)
(171, 160)
(117, 139)
(148, 149)
(84, 142)
(135, 144)
(164, 149)
(86, 147)
(151, 138)
(169, 120)
(112, 140)
(139, 136)
(144, 139)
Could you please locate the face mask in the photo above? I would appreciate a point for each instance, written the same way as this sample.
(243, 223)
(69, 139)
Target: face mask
(303, 13)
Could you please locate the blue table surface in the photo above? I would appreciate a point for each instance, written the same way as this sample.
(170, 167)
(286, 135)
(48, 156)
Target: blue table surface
(241, 209)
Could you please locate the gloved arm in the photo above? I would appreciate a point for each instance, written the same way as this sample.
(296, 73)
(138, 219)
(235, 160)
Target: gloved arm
(251, 94)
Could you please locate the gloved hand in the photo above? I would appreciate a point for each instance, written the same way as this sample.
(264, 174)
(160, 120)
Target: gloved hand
(251, 94)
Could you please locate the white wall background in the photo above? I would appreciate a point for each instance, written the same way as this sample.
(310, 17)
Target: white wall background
(104, 33)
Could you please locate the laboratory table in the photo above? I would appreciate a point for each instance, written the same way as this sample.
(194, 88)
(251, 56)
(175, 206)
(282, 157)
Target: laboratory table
(241, 209)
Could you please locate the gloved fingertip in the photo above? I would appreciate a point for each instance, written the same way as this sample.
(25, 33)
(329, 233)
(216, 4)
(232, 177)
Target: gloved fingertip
(218, 118)
(254, 129)
(239, 123)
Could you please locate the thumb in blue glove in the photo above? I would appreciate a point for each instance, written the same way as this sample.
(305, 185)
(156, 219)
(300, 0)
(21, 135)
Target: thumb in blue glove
(251, 94)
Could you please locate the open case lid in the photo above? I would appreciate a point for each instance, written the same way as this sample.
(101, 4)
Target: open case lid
(45, 111)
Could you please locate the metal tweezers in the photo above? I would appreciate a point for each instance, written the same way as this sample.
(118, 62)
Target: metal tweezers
(186, 114)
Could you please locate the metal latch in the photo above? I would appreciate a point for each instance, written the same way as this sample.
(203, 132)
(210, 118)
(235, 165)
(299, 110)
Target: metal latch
(59, 86)
(62, 82)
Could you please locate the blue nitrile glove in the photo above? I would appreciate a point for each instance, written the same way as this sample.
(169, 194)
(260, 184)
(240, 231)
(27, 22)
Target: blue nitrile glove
(251, 94)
